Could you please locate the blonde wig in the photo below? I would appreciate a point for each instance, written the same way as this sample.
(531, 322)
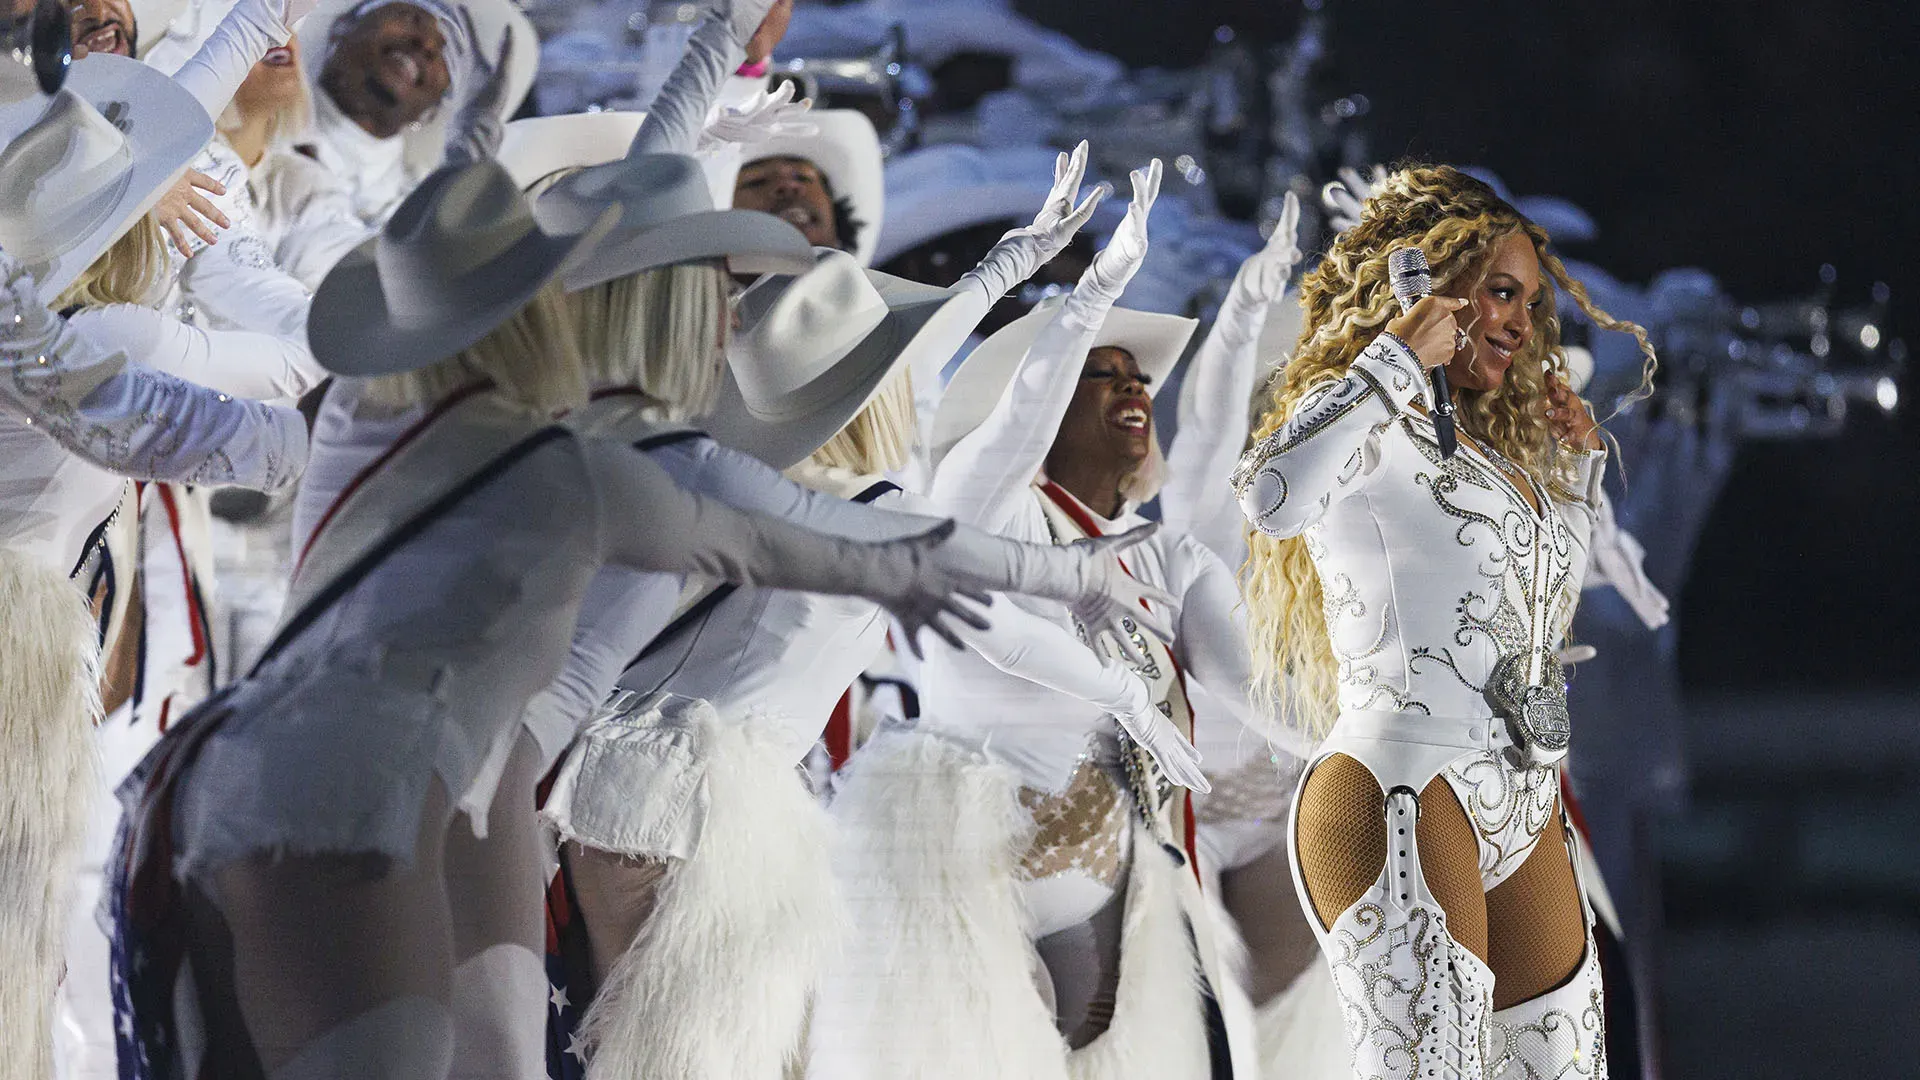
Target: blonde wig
(533, 359)
(1348, 301)
(132, 271)
(880, 437)
(664, 330)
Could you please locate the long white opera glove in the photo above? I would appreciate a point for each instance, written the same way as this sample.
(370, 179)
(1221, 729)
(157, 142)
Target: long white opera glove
(1022, 252)
(1083, 575)
(986, 474)
(1219, 385)
(1343, 197)
(678, 115)
(767, 114)
(477, 128)
(130, 419)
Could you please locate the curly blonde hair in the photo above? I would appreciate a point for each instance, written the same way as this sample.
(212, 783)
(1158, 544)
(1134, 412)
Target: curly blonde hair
(1348, 301)
(134, 270)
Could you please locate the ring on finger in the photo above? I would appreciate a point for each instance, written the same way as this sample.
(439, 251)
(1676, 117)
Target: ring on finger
(1459, 339)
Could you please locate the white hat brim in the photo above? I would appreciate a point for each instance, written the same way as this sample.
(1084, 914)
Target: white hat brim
(920, 320)
(426, 144)
(1155, 341)
(164, 126)
(540, 146)
(352, 331)
(750, 241)
(846, 149)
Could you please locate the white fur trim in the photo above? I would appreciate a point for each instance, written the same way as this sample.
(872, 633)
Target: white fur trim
(1233, 961)
(717, 982)
(1302, 1035)
(1159, 1021)
(49, 699)
(938, 981)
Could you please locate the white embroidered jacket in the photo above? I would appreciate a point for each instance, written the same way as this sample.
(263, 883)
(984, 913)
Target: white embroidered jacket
(1432, 569)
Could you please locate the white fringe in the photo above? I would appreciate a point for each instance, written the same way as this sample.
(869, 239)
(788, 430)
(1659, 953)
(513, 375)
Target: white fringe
(1302, 1034)
(49, 700)
(938, 981)
(718, 980)
(1159, 1025)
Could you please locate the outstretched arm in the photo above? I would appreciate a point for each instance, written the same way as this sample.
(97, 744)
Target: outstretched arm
(130, 419)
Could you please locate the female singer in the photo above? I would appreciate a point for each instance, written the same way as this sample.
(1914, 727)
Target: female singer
(1412, 605)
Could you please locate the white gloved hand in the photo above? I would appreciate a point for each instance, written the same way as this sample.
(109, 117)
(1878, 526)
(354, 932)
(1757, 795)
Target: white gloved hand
(1155, 734)
(1116, 263)
(1343, 197)
(1022, 252)
(1263, 278)
(478, 127)
(766, 115)
(1114, 602)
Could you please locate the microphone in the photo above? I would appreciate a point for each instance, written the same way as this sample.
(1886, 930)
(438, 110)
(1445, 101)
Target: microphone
(1411, 279)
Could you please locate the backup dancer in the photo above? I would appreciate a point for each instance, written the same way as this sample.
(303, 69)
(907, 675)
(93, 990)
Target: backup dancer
(78, 419)
(1427, 596)
(1004, 857)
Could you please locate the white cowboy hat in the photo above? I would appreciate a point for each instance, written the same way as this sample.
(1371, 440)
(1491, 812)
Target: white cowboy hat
(941, 189)
(1155, 341)
(80, 167)
(426, 144)
(539, 147)
(846, 150)
(666, 217)
(460, 256)
(817, 347)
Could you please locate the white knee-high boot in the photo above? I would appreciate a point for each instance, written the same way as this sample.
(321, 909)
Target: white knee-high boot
(1415, 1002)
(1560, 1035)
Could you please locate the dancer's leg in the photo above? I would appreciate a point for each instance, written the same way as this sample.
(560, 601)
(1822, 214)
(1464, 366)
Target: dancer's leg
(1548, 1018)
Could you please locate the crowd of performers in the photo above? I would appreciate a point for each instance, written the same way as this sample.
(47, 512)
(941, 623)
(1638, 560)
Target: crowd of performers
(651, 654)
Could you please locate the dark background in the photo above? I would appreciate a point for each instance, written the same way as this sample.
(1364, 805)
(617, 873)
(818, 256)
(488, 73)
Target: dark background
(1758, 140)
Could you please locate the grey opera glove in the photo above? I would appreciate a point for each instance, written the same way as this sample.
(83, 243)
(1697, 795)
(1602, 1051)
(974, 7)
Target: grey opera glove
(1022, 252)
(742, 17)
(1100, 287)
(1083, 575)
(130, 419)
(477, 128)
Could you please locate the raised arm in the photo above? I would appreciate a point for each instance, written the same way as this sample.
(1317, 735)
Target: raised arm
(1218, 389)
(250, 28)
(130, 419)
(1327, 449)
(984, 476)
(678, 115)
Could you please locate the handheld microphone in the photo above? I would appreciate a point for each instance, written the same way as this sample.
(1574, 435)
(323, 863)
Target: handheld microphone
(1411, 278)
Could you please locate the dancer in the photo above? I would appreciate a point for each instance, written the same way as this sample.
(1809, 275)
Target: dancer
(1003, 857)
(1423, 598)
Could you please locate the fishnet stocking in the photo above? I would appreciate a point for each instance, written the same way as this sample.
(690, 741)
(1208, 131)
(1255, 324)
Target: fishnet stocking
(1539, 929)
(1342, 837)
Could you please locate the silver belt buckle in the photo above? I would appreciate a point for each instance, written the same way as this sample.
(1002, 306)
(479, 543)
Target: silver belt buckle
(1537, 719)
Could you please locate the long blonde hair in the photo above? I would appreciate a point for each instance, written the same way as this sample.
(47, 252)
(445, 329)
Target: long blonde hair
(1456, 220)
(533, 359)
(880, 437)
(663, 329)
(131, 271)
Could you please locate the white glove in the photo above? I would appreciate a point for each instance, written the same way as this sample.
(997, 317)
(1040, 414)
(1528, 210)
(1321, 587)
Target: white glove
(1021, 252)
(1111, 598)
(1116, 263)
(766, 115)
(1155, 734)
(743, 17)
(1263, 278)
(1344, 196)
(477, 128)
(1617, 559)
